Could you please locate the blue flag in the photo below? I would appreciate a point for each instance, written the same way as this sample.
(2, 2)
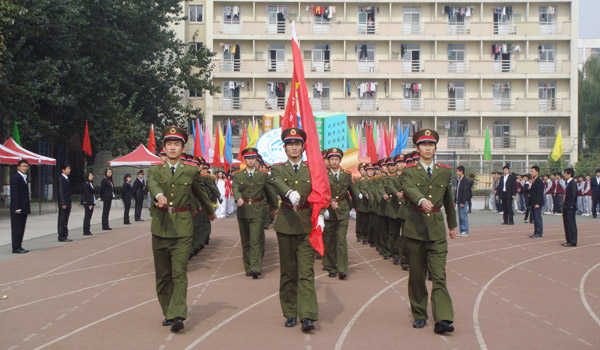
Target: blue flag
(228, 155)
(405, 137)
(398, 149)
(199, 130)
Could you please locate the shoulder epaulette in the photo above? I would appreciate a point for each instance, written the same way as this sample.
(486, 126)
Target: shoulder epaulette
(348, 171)
(237, 171)
(279, 163)
(444, 165)
(264, 171)
(411, 165)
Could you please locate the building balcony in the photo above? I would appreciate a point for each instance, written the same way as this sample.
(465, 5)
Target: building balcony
(503, 104)
(321, 28)
(275, 103)
(320, 104)
(231, 65)
(276, 27)
(364, 28)
(504, 142)
(548, 142)
(459, 142)
(410, 28)
(458, 67)
(323, 66)
(513, 144)
(231, 103)
(412, 66)
(458, 104)
(459, 28)
(411, 104)
(503, 66)
(231, 28)
(276, 66)
(550, 105)
(367, 104)
(366, 66)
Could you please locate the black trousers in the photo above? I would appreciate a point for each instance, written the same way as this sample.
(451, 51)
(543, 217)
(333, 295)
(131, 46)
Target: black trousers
(595, 202)
(127, 203)
(570, 225)
(63, 222)
(507, 208)
(138, 207)
(538, 223)
(105, 212)
(87, 218)
(17, 226)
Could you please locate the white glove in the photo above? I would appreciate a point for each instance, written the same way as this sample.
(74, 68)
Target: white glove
(360, 196)
(321, 223)
(294, 197)
(326, 214)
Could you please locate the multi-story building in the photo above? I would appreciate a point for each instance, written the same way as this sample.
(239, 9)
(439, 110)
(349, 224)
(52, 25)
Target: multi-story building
(588, 48)
(460, 67)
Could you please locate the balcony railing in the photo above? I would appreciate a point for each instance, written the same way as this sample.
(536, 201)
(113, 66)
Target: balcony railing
(275, 103)
(411, 104)
(550, 104)
(459, 142)
(549, 28)
(231, 28)
(503, 66)
(457, 67)
(231, 65)
(321, 28)
(278, 27)
(410, 28)
(366, 66)
(276, 66)
(505, 142)
(364, 28)
(509, 28)
(320, 104)
(231, 103)
(411, 66)
(367, 104)
(458, 28)
(547, 141)
(503, 104)
(321, 66)
(457, 104)
(548, 67)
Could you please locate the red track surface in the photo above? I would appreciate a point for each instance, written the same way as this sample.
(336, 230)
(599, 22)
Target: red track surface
(509, 292)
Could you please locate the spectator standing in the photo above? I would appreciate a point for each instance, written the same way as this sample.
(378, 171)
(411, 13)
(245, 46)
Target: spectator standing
(492, 198)
(126, 194)
(221, 211)
(88, 202)
(548, 202)
(520, 195)
(569, 209)
(595, 186)
(558, 194)
(107, 194)
(471, 183)
(587, 189)
(64, 202)
(526, 195)
(19, 206)
(507, 189)
(580, 182)
(462, 195)
(498, 192)
(139, 186)
(229, 194)
(536, 201)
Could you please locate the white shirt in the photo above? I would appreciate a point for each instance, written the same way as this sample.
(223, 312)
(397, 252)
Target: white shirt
(298, 164)
(505, 181)
(250, 172)
(336, 173)
(65, 176)
(427, 166)
(569, 180)
(24, 176)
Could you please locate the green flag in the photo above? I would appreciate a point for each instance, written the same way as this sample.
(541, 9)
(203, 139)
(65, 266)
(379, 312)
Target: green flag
(16, 136)
(487, 148)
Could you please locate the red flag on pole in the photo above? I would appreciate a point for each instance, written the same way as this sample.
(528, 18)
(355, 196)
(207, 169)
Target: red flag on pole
(152, 141)
(197, 140)
(217, 155)
(371, 149)
(388, 146)
(87, 146)
(290, 116)
(320, 197)
(243, 144)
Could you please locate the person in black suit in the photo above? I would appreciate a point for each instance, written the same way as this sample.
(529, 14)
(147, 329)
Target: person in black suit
(462, 196)
(507, 189)
(569, 209)
(87, 200)
(19, 206)
(595, 184)
(64, 202)
(525, 190)
(536, 202)
(126, 193)
(106, 196)
(138, 193)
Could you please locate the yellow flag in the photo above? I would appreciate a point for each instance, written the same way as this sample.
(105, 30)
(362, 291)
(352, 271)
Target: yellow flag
(221, 143)
(253, 133)
(354, 137)
(558, 147)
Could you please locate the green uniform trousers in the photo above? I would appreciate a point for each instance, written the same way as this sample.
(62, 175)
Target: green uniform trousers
(373, 223)
(383, 235)
(252, 237)
(197, 242)
(297, 293)
(170, 263)
(362, 224)
(336, 246)
(205, 227)
(398, 243)
(421, 255)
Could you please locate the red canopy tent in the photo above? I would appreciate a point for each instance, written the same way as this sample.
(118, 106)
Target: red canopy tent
(8, 157)
(140, 157)
(28, 155)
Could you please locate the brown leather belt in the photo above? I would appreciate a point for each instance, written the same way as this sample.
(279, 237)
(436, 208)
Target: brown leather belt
(340, 199)
(174, 209)
(252, 200)
(421, 210)
(289, 206)
(195, 212)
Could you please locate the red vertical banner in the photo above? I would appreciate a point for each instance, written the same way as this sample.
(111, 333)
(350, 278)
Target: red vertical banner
(217, 155)
(152, 140)
(243, 144)
(87, 146)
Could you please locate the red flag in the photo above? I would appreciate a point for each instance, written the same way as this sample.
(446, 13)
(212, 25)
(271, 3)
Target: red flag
(290, 116)
(152, 141)
(217, 155)
(320, 197)
(87, 146)
(388, 147)
(371, 149)
(243, 144)
(197, 141)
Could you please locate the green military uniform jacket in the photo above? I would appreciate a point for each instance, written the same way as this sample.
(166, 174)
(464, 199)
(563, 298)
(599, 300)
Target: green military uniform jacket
(379, 187)
(392, 186)
(252, 189)
(417, 184)
(213, 190)
(360, 188)
(403, 204)
(369, 186)
(342, 191)
(178, 188)
(290, 221)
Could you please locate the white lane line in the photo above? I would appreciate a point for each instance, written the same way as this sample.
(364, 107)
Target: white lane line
(531, 314)
(29, 337)
(307, 337)
(47, 326)
(548, 322)
(445, 339)
(506, 300)
(585, 342)
(170, 336)
(565, 331)
(61, 317)
(162, 347)
(13, 347)
(583, 297)
(476, 325)
(518, 307)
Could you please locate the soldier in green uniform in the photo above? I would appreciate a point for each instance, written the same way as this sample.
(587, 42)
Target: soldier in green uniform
(362, 214)
(171, 185)
(427, 188)
(251, 188)
(381, 189)
(372, 222)
(393, 195)
(398, 241)
(214, 194)
(293, 225)
(343, 198)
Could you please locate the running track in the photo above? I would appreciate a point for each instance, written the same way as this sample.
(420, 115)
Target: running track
(509, 292)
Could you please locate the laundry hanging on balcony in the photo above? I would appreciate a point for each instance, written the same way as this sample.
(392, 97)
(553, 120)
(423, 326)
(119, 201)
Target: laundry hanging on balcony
(411, 88)
(326, 12)
(278, 88)
(505, 13)
(231, 12)
(232, 85)
(458, 13)
(500, 87)
(318, 86)
(367, 88)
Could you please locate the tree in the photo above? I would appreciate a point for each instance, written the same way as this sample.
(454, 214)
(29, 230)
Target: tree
(589, 107)
(114, 63)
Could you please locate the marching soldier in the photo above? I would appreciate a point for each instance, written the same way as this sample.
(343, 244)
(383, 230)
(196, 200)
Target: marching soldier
(362, 214)
(382, 185)
(214, 194)
(398, 241)
(250, 190)
(427, 188)
(171, 185)
(343, 198)
(372, 222)
(293, 226)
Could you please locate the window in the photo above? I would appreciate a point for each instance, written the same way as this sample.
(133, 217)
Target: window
(501, 91)
(503, 20)
(457, 127)
(547, 132)
(321, 95)
(366, 19)
(194, 93)
(365, 55)
(411, 20)
(276, 58)
(413, 126)
(411, 57)
(501, 133)
(320, 57)
(456, 96)
(547, 52)
(231, 14)
(548, 19)
(196, 13)
(276, 17)
(411, 94)
(231, 57)
(547, 95)
(275, 95)
(456, 58)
